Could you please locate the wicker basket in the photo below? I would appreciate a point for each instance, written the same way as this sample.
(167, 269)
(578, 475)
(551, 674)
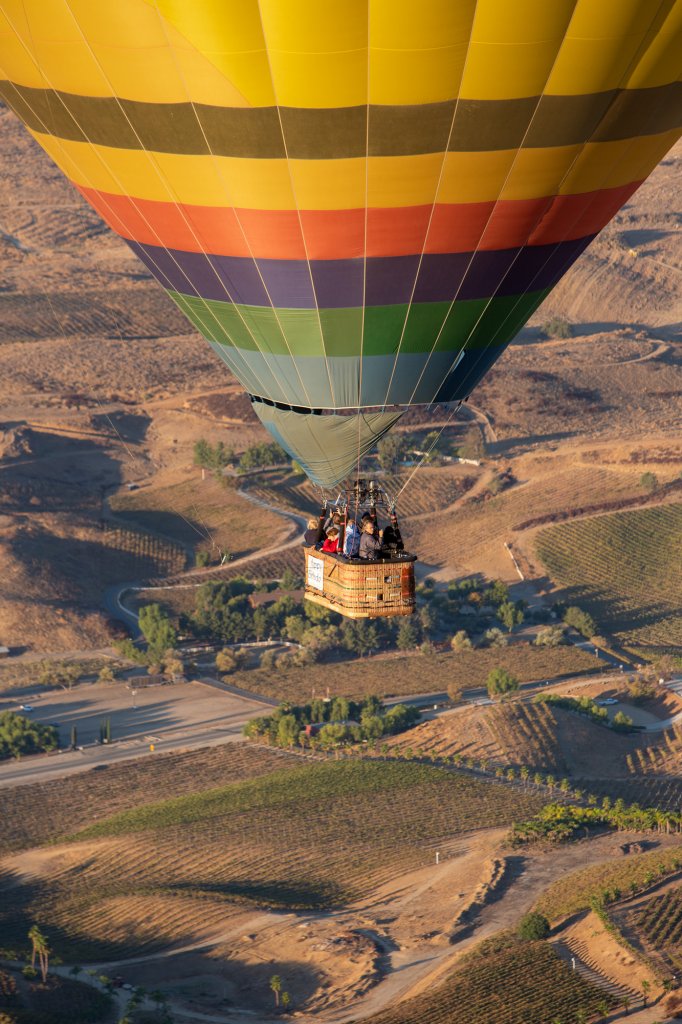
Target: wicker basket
(360, 589)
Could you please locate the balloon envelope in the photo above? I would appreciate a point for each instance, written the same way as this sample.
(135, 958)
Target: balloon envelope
(357, 204)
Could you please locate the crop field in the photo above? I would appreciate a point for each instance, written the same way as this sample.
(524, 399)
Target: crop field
(625, 569)
(146, 550)
(659, 923)
(576, 890)
(398, 675)
(303, 838)
(202, 514)
(506, 982)
(44, 811)
(468, 535)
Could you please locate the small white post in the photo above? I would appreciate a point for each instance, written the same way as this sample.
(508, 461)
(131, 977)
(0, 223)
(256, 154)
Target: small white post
(437, 857)
(573, 962)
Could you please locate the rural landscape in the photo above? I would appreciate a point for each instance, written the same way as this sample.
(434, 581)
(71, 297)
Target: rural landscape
(220, 802)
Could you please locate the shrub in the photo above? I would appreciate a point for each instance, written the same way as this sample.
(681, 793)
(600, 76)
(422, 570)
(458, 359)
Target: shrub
(461, 641)
(494, 638)
(550, 636)
(533, 926)
(649, 482)
(557, 327)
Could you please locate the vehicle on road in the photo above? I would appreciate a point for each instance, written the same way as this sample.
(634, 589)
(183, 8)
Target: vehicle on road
(26, 707)
(607, 702)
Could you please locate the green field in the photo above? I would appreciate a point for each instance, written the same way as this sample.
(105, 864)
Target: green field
(626, 570)
(505, 981)
(35, 814)
(315, 836)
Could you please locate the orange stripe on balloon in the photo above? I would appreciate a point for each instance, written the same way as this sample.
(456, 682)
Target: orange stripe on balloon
(340, 234)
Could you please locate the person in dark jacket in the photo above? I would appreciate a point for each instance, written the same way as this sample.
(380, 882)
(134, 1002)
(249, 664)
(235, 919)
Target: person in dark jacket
(370, 545)
(391, 539)
(314, 535)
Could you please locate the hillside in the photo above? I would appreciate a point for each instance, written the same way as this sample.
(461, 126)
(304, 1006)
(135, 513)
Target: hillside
(626, 569)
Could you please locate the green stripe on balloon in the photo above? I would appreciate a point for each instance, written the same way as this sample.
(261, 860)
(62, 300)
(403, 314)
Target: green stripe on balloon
(296, 332)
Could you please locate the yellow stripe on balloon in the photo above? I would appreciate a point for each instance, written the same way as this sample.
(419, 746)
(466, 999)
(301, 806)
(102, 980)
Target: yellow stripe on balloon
(214, 51)
(340, 184)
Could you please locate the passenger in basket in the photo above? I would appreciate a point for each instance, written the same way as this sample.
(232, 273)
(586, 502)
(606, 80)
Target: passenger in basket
(370, 545)
(351, 540)
(331, 545)
(391, 540)
(314, 533)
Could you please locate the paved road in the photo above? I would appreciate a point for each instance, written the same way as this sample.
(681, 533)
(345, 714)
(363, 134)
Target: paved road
(177, 717)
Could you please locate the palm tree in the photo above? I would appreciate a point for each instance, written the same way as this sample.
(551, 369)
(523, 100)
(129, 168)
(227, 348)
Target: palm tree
(286, 999)
(276, 986)
(40, 949)
(646, 985)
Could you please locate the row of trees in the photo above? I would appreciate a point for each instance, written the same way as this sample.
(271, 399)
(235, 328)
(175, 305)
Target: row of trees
(588, 707)
(558, 822)
(331, 723)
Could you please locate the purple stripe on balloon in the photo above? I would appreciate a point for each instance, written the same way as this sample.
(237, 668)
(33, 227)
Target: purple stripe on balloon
(340, 284)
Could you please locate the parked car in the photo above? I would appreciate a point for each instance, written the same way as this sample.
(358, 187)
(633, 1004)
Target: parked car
(607, 702)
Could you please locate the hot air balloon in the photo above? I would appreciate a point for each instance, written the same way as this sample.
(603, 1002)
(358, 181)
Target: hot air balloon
(357, 204)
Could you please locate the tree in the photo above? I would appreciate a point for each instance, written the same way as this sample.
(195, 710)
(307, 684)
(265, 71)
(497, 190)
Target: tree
(286, 999)
(157, 630)
(580, 621)
(407, 637)
(173, 666)
(106, 674)
(646, 988)
(622, 721)
(472, 445)
(533, 926)
(39, 949)
(340, 711)
(649, 482)
(427, 618)
(500, 683)
(19, 736)
(510, 614)
(390, 451)
(290, 581)
(461, 641)
(276, 986)
(287, 731)
(225, 661)
(59, 673)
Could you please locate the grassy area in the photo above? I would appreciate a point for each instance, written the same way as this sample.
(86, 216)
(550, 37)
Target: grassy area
(577, 890)
(16, 674)
(34, 814)
(625, 569)
(311, 837)
(509, 982)
(399, 675)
